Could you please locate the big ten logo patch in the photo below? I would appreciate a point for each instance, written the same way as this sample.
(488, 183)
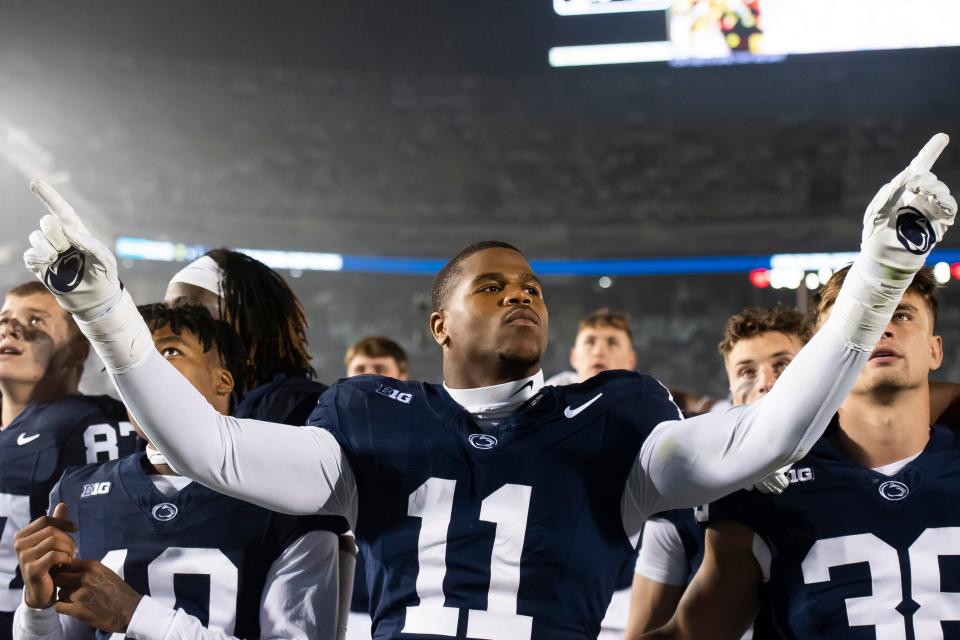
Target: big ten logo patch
(95, 489)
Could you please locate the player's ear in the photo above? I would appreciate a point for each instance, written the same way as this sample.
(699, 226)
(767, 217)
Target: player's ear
(573, 357)
(633, 359)
(80, 351)
(223, 381)
(438, 328)
(936, 352)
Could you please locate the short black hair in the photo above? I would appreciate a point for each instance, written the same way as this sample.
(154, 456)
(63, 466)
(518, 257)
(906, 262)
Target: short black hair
(267, 314)
(450, 271)
(209, 332)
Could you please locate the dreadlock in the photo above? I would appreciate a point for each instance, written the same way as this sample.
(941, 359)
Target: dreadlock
(208, 331)
(265, 311)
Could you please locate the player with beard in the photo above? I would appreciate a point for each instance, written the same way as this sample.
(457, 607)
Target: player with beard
(45, 424)
(155, 555)
(492, 506)
(859, 544)
(267, 314)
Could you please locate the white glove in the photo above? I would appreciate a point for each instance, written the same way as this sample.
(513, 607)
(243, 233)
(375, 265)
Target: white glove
(82, 274)
(775, 483)
(74, 266)
(909, 215)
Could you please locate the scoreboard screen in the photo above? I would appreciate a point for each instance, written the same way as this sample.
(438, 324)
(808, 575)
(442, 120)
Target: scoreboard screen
(703, 32)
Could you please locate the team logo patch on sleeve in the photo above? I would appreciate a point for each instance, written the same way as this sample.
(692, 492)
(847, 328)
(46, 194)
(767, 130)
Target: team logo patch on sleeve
(95, 489)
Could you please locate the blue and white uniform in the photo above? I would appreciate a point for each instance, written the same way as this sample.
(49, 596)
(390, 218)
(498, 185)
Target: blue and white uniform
(852, 552)
(210, 566)
(35, 448)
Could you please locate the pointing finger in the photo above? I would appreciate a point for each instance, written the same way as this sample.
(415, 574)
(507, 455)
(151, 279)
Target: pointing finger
(54, 233)
(57, 206)
(929, 154)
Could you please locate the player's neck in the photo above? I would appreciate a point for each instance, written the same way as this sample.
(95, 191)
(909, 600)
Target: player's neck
(476, 375)
(877, 429)
(18, 395)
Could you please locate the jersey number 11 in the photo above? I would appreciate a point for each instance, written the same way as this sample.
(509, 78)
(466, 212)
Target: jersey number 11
(507, 508)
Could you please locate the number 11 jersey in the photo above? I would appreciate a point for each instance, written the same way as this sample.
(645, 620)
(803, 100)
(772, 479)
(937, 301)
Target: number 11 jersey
(509, 533)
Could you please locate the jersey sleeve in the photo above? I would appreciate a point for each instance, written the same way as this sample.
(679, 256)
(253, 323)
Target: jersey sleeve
(684, 463)
(662, 556)
(280, 467)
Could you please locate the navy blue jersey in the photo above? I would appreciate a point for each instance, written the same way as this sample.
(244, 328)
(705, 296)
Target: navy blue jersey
(34, 450)
(285, 399)
(858, 554)
(198, 550)
(514, 532)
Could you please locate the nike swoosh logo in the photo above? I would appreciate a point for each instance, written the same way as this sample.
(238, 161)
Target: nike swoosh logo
(572, 413)
(528, 384)
(23, 438)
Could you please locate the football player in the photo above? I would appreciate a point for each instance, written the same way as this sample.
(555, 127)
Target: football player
(859, 544)
(373, 355)
(492, 506)
(267, 314)
(376, 355)
(46, 424)
(757, 346)
(155, 555)
(604, 342)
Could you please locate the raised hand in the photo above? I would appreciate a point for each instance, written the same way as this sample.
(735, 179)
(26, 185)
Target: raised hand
(76, 267)
(42, 547)
(909, 215)
(92, 593)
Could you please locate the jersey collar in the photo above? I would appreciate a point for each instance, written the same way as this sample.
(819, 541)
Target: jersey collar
(491, 405)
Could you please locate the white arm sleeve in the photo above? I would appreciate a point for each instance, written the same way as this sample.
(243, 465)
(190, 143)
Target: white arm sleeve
(47, 624)
(693, 462)
(662, 556)
(301, 595)
(348, 567)
(299, 470)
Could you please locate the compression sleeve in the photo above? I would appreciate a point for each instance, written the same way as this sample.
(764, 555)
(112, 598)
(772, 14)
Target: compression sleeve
(300, 597)
(298, 470)
(47, 624)
(662, 555)
(695, 461)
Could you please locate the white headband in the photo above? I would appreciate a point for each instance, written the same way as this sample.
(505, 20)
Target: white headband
(204, 272)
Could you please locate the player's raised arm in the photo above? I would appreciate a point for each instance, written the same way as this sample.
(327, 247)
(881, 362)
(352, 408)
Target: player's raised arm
(284, 468)
(698, 460)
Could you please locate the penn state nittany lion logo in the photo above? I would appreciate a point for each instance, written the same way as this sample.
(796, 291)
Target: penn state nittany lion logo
(66, 273)
(165, 511)
(482, 441)
(914, 231)
(893, 490)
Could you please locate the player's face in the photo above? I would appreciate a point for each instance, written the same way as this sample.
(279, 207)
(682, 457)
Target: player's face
(35, 335)
(181, 293)
(600, 349)
(379, 366)
(754, 364)
(202, 369)
(495, 313)
(907, 351)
